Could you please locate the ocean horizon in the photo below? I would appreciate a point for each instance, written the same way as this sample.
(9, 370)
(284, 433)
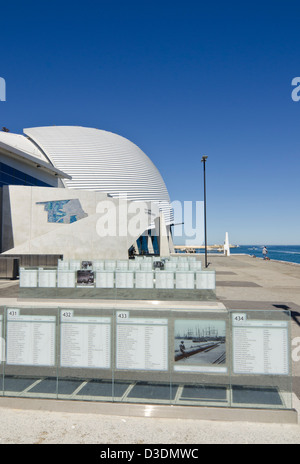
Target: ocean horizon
(287, 253)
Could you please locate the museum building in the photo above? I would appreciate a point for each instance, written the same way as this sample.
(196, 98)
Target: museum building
(61, 184)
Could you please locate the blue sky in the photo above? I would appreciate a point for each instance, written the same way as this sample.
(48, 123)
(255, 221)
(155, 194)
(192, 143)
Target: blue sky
(179, 79)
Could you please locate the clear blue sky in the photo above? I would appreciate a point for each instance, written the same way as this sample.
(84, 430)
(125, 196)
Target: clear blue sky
(179, 79)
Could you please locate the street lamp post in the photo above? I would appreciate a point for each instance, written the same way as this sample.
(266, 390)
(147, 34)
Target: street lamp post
(203, 160)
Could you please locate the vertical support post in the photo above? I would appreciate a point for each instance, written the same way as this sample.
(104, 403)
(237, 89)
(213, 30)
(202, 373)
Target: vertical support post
(203, 160)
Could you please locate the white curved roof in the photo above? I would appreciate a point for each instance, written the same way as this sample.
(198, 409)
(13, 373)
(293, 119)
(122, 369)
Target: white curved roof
(21, 143)
(100, 160)
(21, 147)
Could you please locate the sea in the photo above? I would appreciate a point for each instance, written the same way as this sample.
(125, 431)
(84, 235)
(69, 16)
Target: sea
(289, 253)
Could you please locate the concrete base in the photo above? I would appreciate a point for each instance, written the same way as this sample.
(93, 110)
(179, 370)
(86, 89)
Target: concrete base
(81, 293)
(278, 416)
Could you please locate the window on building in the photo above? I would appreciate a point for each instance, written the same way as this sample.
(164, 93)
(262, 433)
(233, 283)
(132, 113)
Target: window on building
(12, 176)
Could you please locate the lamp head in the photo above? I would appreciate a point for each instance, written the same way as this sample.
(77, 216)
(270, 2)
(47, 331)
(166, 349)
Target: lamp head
(204, 158)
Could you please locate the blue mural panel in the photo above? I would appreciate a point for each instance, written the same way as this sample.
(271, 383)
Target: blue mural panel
(63, 211)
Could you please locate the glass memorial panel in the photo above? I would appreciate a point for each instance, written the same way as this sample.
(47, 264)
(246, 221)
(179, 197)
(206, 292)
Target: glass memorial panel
(170, 266)
(133, 265)
(206, 280)
(200, 364)
(105, 279)
(47, 278)
(86, 265)
(183, 266)
(195, 265)
(66, 278)
(124, 279)
(110, 264)
(98, 265)
(142, 356)
(184, 280)
(164, 279)
(75, 264)
(31, 351)
(85, 355)
(2, 349)
(147, 266)
(28, 278)
(85, 278)
(144, 279)
(122, 264)
(261, 359)
(62, 264)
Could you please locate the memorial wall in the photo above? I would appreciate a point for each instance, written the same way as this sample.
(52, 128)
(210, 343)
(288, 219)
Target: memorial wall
(147, 351)
(186, 356)
(143, 273)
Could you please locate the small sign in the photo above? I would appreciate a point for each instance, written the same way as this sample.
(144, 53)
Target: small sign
(239, 318)
(12, 312)
(66, 314)
(122, 316)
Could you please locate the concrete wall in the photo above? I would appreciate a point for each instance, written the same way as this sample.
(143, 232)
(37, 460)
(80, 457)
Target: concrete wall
(102, 227)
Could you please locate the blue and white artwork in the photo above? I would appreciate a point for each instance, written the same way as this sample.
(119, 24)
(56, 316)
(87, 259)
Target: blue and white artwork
(63, 211)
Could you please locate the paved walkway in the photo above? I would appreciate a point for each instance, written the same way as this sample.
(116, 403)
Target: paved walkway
(20, 426)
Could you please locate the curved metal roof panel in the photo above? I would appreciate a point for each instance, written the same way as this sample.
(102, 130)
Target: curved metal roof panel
(21, 143)
(100, 160)
(21, 147)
